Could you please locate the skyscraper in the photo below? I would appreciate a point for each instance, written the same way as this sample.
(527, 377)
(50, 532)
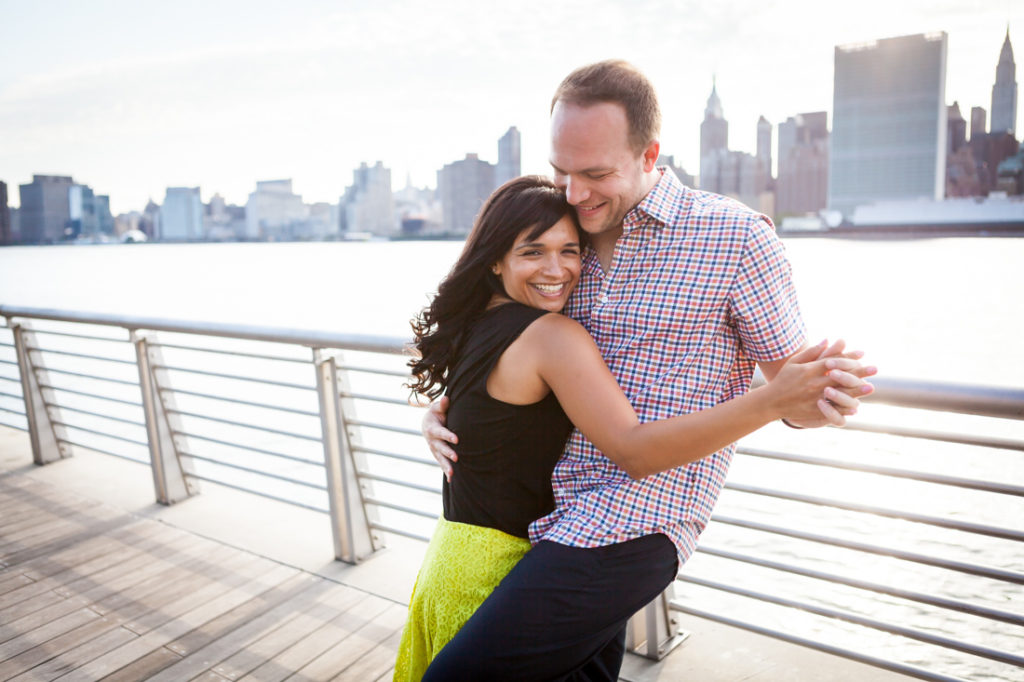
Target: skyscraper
(509, 165)
(1004, 91)
(463, 186)
(764, 144)
(802, 185)
(368, 205)
(956, 128)
(889, 121)
(5, 216)
(181, 216)
(273, 210)
(45, 208)
(978, 121)
(714, 141)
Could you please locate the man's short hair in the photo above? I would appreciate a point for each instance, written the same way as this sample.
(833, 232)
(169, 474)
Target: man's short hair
(619, 82)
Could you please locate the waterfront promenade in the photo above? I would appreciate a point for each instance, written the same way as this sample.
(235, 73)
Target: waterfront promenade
(99, 582)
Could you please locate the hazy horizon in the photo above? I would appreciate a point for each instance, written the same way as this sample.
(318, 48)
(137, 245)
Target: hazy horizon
(131, 99)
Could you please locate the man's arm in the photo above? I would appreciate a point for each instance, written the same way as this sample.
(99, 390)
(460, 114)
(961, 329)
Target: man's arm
(439, 439)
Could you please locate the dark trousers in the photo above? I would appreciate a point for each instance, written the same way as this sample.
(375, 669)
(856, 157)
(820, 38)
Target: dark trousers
(560, 614)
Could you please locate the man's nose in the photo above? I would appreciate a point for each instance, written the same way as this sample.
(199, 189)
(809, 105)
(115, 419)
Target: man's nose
(575, 191)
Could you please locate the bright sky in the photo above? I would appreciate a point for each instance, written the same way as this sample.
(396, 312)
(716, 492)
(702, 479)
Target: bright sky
(133, 96)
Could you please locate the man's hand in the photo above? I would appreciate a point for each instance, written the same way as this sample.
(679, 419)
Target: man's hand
(438, 437)
(840, 400)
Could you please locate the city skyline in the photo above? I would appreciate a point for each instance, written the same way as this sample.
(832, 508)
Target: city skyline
(221, 98)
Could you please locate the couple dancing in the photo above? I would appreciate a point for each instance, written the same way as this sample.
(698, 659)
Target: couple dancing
(547, 546)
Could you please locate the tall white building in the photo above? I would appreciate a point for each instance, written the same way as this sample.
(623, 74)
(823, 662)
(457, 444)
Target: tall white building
(367, 205)
(888, 121)
(509, 165)
(1004, 91)
(181, 216)
(274, 211)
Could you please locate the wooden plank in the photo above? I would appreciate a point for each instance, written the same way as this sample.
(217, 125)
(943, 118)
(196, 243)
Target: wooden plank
(68, 539)
(68, 662)
(118, 657)
(207, 657)
(91, 642)
(44, 652)
(114, 553)
(298, 625)
(45, 632)
(13, 581)
(356, 632)
(144, 667)
(377, 660)
(316, 643)
(140, 533)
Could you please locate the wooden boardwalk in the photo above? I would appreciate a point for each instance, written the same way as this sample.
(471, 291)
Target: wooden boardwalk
(88, 592)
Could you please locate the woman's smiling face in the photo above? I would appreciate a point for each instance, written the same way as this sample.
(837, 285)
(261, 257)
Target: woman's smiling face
(542, 272)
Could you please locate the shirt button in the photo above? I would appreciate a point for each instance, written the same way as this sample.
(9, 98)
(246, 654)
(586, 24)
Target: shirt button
(603, 298)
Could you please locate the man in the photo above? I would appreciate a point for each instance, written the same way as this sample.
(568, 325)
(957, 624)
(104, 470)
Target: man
(683, 291)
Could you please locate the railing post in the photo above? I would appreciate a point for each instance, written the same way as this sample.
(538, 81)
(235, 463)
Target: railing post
(653, 632)
(41, 410)
(170, 472)
(354, 539)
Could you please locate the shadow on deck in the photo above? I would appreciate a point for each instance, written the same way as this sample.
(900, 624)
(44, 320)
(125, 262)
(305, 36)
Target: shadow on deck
(97, 582)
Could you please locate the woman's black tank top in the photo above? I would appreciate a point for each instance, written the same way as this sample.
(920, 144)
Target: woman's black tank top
(507, 452)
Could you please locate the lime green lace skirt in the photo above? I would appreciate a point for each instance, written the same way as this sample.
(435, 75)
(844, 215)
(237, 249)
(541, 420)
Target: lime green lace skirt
(463, 564)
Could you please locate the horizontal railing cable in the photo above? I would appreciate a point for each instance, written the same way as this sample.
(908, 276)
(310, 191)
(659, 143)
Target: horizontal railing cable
(87, 394)
(863, 621)
(902, 668)
(943, 436)
(105, 434)
(394, 455)
(251, 448)
(234, 353)
(244, 425)
(8, 362)
(5, 394)
(258, 493)
(255, 471)
(375, 370)
(122, 420)
(375, 398)
(932, 600)
(376, 525)
(236, 377)
(891, 472)
(239, 401)
(92, 377)
(84, 356)
(384, 427)
(96, 448)
(958, 566)
(936, 521)
(400, 507)
(72, 335)
(7, 409)
(399, 482)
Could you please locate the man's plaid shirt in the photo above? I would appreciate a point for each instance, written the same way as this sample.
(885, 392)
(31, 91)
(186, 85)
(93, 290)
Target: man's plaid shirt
(699, 289)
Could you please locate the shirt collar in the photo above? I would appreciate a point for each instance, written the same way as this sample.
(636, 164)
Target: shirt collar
(661, 203)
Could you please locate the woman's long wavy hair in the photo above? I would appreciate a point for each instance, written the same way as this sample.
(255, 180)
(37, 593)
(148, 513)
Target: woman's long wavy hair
(529, 203)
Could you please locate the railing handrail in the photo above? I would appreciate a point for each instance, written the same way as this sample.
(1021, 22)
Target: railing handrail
(311, 338)
(988, 401)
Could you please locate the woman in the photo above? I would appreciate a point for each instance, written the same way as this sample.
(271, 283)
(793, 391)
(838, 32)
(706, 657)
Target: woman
(519, 378)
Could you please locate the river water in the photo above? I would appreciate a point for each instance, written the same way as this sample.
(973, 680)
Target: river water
(941, 309)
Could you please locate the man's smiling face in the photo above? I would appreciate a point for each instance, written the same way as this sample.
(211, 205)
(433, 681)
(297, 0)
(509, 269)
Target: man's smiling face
(593, 161)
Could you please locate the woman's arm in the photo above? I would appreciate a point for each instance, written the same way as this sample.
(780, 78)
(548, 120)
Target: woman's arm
(561, 353)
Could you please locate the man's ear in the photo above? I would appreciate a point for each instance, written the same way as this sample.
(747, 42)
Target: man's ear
(651, 153)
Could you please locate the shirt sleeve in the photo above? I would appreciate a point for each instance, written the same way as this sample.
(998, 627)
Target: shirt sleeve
(763, 299)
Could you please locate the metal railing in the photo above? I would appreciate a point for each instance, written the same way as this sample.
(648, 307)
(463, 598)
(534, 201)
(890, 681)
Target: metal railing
(822, 538)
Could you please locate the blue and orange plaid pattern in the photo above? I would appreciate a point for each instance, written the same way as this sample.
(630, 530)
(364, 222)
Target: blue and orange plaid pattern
(698, 291)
